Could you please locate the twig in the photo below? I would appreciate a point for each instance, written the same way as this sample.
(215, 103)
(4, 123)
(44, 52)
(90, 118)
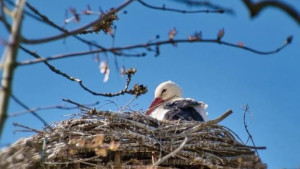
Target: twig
(166, 157)
(163, 8)
(10, 56)
(31, 111)
(155, 44)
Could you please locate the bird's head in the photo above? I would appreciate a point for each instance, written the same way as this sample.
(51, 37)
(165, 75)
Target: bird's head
(164, 92)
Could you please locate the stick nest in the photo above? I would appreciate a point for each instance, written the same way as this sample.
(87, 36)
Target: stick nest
(103, 139)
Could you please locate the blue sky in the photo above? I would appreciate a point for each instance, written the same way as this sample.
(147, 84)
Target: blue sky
(222, 76)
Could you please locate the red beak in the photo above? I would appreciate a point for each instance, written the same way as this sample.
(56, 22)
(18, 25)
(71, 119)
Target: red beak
(153, 105)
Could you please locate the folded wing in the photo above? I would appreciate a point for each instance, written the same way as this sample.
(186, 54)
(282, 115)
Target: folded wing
(186, 109)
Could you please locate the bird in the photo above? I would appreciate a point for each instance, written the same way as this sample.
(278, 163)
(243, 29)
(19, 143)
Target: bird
(169, 104)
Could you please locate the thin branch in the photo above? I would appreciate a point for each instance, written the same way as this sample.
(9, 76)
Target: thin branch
(137, 90)
(173, 153)
(156, 44)
(76, 31)
(10, 56)
(46, 20)
(62, 107)
(163, 8)
(27, 108)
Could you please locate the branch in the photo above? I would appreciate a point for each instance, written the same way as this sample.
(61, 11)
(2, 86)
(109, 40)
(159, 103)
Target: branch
(157, 44)
(10, 56)
(163, 8)
(173, 153)
(77, 31)
(137, 89)
(256, 8)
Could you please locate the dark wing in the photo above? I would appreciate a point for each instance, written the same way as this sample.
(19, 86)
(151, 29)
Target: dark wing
(182, 109)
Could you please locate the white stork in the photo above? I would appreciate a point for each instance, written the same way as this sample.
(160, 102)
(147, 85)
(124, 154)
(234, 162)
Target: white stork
(169, 104)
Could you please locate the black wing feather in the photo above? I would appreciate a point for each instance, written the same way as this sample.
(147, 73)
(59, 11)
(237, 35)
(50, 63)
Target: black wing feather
(182, 110)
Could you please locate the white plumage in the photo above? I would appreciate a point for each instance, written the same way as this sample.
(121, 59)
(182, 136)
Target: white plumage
(169, 104)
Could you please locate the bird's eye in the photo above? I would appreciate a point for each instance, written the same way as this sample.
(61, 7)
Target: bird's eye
(163, 91)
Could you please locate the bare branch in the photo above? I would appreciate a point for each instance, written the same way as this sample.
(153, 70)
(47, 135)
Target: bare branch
(46, 20)
(76, 31)
(163, 8)
(157, 44)
(137, 89)
(256, 7)
(9, 59)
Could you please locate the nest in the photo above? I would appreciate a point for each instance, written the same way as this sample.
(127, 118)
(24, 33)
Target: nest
(102, 139)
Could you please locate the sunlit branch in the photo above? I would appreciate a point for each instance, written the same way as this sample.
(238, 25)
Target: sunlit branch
(148, 46)
(9, 59)
(163, 8)
(76, 31)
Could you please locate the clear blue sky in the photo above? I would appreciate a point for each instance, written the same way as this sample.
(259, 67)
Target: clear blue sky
(223, 77)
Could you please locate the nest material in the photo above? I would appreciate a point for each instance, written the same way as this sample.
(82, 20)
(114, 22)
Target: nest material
(101, 139)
